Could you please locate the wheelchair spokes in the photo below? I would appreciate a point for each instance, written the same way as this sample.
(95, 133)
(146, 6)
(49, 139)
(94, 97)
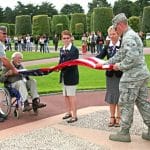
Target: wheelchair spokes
(5, 101)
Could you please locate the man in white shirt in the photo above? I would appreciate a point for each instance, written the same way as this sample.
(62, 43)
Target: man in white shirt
(3, 60)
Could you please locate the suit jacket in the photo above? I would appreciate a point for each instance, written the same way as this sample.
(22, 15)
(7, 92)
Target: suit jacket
(69, 75)
(109, 52)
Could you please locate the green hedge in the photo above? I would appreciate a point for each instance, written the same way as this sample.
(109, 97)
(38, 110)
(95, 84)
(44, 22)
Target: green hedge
(23, 25)
(60, 19)
(79, 28)
(59, 29)
(102, 19)
(77, 18)
(146, 20)
(41, 25)
(134, 23)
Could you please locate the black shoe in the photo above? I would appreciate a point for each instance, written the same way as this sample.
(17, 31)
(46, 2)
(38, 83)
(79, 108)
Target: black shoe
(67, 116)
(3, 116)
(72, 120)
(27, 106)
(36, 104)
(2, 119)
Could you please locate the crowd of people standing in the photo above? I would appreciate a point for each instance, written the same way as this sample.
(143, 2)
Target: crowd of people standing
(28, 43)
(92, 42)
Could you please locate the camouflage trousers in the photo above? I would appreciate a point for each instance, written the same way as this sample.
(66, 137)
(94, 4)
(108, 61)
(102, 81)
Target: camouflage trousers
(133, 93)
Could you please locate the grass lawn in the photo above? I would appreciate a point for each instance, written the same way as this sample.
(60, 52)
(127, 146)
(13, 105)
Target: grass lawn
(147, 43)
(89, 78)
(33, 55)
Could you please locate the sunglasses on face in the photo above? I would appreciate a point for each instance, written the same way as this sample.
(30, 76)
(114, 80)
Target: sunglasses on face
(4, 33)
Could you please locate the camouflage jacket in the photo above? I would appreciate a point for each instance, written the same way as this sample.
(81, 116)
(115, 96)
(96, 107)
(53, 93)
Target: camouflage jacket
(131, 58)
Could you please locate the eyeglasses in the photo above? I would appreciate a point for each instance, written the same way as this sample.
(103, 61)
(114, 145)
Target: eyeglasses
(4, 33)
(67, 38)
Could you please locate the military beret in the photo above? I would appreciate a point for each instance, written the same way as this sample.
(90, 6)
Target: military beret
(119, 18)
(3, 28)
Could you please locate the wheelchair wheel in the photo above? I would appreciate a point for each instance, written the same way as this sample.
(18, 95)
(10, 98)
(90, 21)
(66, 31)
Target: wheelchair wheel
(5, 101)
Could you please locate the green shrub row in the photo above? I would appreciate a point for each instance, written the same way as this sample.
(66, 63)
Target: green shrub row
(98, 20)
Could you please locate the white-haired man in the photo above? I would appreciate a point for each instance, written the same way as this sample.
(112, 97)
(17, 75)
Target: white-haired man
(22, 83)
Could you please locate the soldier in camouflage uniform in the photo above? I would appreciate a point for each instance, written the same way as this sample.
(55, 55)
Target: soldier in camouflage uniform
(133, 83)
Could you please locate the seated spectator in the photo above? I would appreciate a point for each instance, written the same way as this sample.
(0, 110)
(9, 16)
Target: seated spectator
(23, 84)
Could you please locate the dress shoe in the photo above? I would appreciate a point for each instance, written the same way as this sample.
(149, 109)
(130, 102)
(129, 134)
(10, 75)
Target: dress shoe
(27, 106)
(66, 116)
(36, 103)
(72, 120)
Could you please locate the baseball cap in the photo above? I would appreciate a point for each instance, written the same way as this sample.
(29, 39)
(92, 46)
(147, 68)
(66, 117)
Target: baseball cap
(119, 18)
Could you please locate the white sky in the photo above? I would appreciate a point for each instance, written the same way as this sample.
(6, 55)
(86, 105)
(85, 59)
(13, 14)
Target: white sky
(57, 3)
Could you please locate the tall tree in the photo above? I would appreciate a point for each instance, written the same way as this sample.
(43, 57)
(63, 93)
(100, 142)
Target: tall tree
(123, 6)
(98, 3)
(47, 9)
(9, 15)
(1, 14)
(71, 9)
(141, 4)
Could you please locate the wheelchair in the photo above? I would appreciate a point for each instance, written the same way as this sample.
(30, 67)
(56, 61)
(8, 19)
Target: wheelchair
(10, 98)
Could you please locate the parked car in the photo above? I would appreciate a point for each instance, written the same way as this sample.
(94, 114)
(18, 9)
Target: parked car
(147, 36)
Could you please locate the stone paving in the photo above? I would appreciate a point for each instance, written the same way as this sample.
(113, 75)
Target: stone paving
(89, 133)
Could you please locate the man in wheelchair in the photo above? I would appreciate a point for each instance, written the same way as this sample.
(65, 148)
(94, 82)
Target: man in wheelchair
(22, 83)
(4, 61)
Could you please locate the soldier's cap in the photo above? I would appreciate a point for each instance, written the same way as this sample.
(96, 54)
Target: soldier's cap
(3, 28)
(119, 18)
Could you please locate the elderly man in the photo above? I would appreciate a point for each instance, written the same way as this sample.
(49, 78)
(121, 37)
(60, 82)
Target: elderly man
(22, 83)
(4, 61)
(133, 83)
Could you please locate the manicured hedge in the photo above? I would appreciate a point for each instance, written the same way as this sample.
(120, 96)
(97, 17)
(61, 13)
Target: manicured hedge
(41, 25)
(146, 20)
(77, 18)
(134, 22)
(102, 19)
(60, 19)
(23, 25)
(79, 28)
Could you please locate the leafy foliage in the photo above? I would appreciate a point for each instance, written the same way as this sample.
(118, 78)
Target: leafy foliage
(41, 25)
(71, 9)
(77, 18)
(59, 28)
(98, 3)
(146, 20)
(123, 6)
(102, 17)
(60, 19)
(23, 25)
(134, 22)
(79, 28)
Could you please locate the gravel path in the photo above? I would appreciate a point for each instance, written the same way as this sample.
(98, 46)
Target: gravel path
(47, 139)
(99, 120)
(50, 138)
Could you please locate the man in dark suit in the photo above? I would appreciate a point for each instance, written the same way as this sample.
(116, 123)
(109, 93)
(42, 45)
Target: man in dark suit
(69, 76)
